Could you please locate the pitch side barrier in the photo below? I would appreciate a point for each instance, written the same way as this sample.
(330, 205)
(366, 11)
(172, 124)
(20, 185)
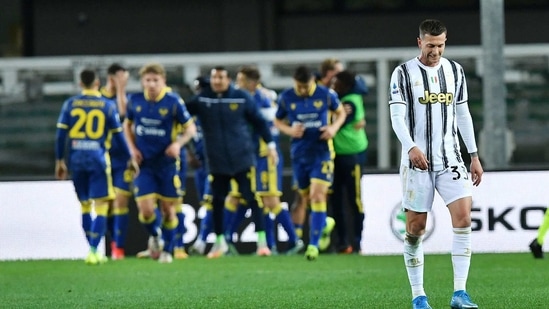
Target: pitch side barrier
(41, 219)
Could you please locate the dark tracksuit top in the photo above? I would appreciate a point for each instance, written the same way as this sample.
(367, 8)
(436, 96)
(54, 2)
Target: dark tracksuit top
(227, 122)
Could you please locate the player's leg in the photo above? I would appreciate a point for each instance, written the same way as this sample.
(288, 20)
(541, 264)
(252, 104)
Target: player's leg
(456, 191)
(220, 188)
(355, 200)
(101, 192)
(536, 246)
(337, 202)
(416, 207)
(246, 183)
(146, 199)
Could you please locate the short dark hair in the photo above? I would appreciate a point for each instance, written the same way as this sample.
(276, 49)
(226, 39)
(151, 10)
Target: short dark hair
(87, 77)
(303, 74)
(221, 68)
(432, 27)
(250, 72)
(115, 67)
(346, 78)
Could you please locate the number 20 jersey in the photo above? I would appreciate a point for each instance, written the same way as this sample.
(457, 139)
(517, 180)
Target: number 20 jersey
(90, 120)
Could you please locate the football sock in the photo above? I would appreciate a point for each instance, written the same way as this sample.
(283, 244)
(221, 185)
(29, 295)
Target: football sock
(111, 225)
(206, 225)
(283, 217)
(99, 223)
(261, 239)
(180, 229)
(229, 212)
(121, 218)
(543, 228)
(269, 230)
(168, 234)
(414, 259)
(318, 220)
(150, 224)
(298, 230)
(86, 218)
(461, 256)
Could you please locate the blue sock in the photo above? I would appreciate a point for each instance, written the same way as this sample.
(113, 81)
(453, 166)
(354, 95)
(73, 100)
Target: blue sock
(285, 220)
(120, 228)
(180, 230)
(270, 231)
(318, 220)
(206, 225)
(97, 230)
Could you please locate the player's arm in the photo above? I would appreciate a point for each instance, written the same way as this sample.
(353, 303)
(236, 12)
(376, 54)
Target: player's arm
(61, 171)
(121, 81)
(330, 130)
(466, 130)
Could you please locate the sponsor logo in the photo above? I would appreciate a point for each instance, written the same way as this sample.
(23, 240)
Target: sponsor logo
(398, 223)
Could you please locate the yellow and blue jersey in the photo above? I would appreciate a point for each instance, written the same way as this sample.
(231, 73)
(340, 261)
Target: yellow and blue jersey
(157, 123)
(313, 112)
(89, 121)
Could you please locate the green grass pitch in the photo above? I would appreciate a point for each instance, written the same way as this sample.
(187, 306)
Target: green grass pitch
(333, 281)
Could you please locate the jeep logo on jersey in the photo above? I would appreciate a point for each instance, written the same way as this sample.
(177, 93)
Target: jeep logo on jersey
(433, 98)
(398, 223)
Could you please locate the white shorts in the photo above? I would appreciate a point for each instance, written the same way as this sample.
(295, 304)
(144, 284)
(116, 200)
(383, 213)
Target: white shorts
(419, 186)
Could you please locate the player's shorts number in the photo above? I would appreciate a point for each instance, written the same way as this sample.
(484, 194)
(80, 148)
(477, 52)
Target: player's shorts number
(84, 126)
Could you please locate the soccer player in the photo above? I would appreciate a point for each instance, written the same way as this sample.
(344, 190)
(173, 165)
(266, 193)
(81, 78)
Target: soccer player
(349, 144)
(305, 114)
(226, 115)
(117, 222)
(268, 177)
(328, 69)
(86, 124)
(536, 246)
(155, 118)
(428, 104)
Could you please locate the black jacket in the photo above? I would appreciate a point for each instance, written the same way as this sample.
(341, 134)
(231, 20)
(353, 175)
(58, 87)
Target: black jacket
(227, 121)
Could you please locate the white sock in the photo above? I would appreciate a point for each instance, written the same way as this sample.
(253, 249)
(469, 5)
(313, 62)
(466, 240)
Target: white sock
(461, 256)
(413, 259)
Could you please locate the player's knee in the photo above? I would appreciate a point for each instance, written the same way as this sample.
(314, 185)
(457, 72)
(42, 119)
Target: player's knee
(412, 239)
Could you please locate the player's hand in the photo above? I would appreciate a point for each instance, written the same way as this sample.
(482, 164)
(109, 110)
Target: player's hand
(137, 156)
(297, 130)
(174, 150)
(273, 156)
(61, 171)
(476, 171)
(328, 132)
(121, 79)
(418, 158)
(133, 166)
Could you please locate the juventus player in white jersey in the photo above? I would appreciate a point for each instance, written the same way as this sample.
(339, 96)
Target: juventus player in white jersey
(428, 103)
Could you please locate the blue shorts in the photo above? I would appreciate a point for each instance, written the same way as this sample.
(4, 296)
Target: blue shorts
(267, 176)
(161, 182)
(93, 184)
(313, 169)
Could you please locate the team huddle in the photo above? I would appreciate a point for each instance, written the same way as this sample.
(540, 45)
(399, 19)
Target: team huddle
(228, 132)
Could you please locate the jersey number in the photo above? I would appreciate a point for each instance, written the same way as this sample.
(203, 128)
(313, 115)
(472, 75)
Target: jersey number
(458, 174)
(84, 126)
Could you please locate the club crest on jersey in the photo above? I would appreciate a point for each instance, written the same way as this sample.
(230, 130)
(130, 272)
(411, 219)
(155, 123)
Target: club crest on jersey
(292, 106)
(138, 109)
(233, 106)
(433, 98)
(318, 104)
(163, 112)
